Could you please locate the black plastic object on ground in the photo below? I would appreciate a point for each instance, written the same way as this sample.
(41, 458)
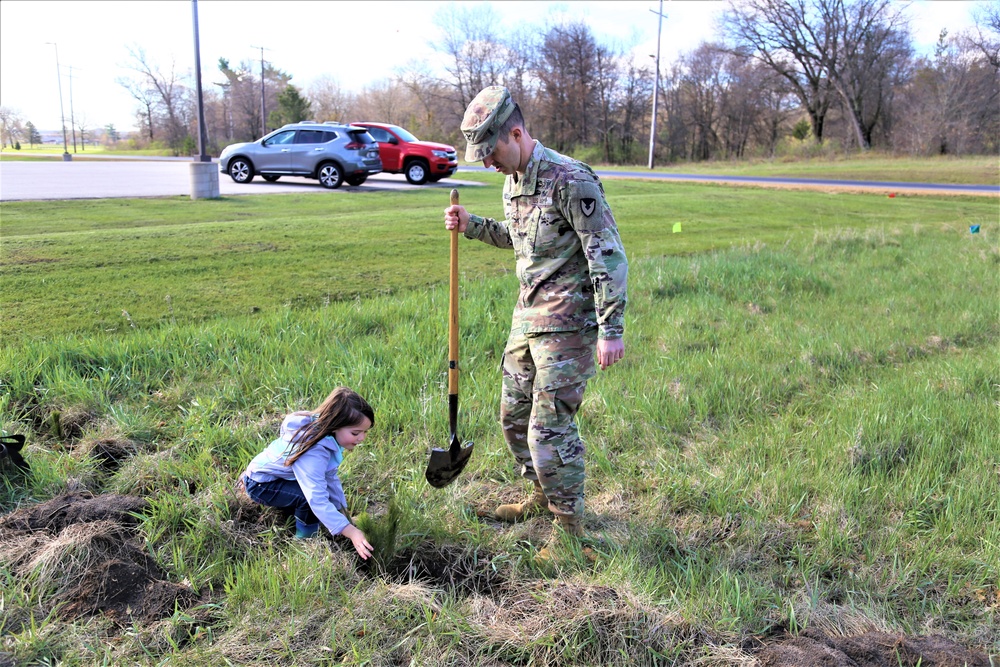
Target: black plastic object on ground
(10, 450)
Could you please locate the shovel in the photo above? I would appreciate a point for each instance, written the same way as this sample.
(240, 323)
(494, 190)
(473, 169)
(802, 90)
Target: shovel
(446, 464)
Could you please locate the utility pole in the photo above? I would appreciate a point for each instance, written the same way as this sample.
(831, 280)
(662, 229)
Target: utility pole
(66, 156)
(263, 117)
(204, 174)
(202, 155)
(656, 83)
(72, 120)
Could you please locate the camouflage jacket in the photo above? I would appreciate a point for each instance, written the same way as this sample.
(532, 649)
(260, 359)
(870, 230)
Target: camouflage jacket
(570, 260)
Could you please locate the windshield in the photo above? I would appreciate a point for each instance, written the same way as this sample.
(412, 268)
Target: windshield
(361, 136)
(403, 134)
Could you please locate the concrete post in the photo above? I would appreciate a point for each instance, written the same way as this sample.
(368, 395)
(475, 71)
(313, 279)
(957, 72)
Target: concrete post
(204, 180)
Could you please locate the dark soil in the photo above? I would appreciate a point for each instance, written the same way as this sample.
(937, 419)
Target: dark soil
(461, 571)
(54, 515)
(872, 649)
(110, 453)
(127, 585)
(126, 591)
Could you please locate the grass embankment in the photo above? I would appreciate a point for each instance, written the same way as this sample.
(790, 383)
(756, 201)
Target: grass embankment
(55, 152)
(802, 433)
(976, 170)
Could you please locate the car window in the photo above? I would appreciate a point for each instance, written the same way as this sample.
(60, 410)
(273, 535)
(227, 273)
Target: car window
(379, 134)
(328, 136)
(403, 134)
(362, 136)
(309, 137)
(279, 139)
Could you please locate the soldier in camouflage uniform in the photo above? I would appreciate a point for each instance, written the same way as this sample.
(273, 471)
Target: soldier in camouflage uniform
(572, 270)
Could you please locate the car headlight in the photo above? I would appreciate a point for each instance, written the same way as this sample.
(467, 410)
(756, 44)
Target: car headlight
(443, 154)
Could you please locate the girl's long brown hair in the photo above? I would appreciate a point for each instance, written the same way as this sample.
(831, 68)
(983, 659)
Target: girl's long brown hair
(342, 408)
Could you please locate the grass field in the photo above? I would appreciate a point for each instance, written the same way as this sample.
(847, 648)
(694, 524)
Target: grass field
(984, 170)
(802, 437)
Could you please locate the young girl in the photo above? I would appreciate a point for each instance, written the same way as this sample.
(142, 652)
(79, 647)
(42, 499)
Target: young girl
(297, 472)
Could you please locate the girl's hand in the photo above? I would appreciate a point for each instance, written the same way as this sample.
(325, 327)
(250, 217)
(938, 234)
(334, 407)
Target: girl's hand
(359, 541)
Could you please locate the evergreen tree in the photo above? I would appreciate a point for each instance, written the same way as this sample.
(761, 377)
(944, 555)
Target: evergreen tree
(34, 136)
(292, 107)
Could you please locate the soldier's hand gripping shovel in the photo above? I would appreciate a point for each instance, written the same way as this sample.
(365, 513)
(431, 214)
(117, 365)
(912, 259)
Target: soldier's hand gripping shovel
(446, 464)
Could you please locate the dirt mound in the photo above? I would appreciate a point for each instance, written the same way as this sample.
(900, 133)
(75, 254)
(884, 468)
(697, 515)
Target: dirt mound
(871, 649)
(81, 553)
(54, 515)
(125, 591)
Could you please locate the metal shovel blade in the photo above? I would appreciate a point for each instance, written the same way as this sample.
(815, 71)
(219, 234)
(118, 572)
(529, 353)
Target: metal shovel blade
(447, 464)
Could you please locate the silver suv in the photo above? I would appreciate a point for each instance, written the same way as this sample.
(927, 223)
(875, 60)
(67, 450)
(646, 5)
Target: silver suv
(330, 152)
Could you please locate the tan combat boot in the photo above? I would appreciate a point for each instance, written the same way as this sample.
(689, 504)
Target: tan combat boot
(565, 525)
(570, 524)
(520, 511)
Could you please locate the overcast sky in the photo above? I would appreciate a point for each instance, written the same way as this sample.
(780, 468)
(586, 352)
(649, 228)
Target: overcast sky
(357, 43)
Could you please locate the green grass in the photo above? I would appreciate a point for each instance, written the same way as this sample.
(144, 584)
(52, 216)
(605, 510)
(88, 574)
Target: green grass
(55, 151)
(802, 433)
(171, 260)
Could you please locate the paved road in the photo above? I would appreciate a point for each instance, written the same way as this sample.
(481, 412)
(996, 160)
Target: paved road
(91, 179)
(162, 177)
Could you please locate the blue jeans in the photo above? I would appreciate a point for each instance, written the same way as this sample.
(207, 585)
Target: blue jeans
(285, 495)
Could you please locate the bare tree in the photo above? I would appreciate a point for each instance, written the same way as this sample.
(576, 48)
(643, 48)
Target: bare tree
(635, 87)
(986, 36)
(701, 90)
(433, 116)
(566, 68)
(166, 88)
(949, 106)
(10, 126)
(475, 47)
(788, 37)
(145, 95)
(869, 48)
(83, 129)
(329, 100)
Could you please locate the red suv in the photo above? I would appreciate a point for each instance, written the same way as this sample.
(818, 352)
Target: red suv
(403, 153)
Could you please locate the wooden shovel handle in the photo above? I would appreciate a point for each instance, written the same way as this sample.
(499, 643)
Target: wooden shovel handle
(453, 309)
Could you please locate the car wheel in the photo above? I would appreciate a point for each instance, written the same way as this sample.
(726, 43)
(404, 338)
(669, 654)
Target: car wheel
(416, 172)
(270, 178)
(356, 180)
(329, 175)
(241, 170)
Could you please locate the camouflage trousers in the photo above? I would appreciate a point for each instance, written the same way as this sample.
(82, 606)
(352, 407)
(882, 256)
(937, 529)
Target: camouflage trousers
(544, 377)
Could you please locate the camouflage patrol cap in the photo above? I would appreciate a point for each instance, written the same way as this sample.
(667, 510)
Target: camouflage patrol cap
(486, 114)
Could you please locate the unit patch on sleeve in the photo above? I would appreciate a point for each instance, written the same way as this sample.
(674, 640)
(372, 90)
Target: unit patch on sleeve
(587, 206)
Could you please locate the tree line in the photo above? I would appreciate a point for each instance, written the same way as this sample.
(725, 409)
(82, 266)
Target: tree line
(778, 76)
